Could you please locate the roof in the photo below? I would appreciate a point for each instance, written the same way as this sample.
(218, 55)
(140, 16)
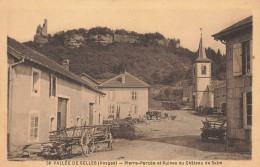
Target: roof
(20, 51)
(124, 80)
(90, 78)
(247, 22)
(202, 54)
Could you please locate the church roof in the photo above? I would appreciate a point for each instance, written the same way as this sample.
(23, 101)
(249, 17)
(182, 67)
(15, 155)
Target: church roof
(202, 54)
(124, 80)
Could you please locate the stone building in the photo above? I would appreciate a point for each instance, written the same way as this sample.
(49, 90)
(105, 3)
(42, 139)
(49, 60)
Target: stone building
(41, 36)
(238, 40)
(203, 94)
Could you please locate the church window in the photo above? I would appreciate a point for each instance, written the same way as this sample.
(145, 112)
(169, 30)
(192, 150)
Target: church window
(203, 70)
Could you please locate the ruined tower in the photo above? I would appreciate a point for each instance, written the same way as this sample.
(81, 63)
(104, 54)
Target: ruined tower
(41, 36)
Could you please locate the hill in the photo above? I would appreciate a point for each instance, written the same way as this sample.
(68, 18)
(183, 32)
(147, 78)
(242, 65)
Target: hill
(103, 53)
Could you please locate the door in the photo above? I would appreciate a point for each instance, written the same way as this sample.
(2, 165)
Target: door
(91, 113)
(62, 113)
(194, 102)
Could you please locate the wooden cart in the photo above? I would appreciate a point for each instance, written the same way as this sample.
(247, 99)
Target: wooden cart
(87, 137)
(213, 129)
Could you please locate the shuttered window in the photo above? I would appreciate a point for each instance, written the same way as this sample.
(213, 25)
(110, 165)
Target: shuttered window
(36, 82)
(111, 109)
(246, 57)
(34, 127)
(242, 58)
(237, 59)
(53, 85)
(247, 109)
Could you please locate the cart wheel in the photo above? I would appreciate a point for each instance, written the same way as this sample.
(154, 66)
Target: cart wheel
(204, 137)
(222, 136)
(86, 145)
(110, 138)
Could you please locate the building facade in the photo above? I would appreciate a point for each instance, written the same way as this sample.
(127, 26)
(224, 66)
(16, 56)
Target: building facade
(126, 96)
(238, 40)
(44, 96)
(202, 90)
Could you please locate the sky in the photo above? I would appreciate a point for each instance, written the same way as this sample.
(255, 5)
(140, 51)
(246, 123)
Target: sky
(171, 21)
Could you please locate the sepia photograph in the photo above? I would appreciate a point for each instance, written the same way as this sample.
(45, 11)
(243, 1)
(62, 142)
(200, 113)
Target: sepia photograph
(103, 83)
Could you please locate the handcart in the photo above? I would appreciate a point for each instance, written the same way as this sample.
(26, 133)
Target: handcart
(213, 129)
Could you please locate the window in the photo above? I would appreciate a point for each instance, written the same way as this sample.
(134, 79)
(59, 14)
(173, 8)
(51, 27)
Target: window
(246, 58)
(242, 58)
(53, 85)
(134, 95)
(34, 127)
(36, 75)
(203, 70)
(52, 122)
(247, 109)
(111, 109)
(78, 121)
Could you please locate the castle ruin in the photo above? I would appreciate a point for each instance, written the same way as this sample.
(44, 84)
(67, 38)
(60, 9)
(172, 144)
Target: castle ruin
(41, 36)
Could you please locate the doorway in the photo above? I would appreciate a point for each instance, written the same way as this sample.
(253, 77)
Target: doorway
(91, 113)
(62, 113)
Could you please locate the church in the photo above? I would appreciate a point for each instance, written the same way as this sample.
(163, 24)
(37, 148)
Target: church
(203, 92)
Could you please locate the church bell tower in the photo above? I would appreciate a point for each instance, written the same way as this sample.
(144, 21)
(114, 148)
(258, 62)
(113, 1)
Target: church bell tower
(202, 89)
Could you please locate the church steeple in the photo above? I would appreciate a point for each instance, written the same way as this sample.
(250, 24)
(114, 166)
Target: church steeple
(202, 54)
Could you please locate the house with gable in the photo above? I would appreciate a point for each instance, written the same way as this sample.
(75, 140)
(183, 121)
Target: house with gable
(126, 96)
(45, 96)
(238, 39)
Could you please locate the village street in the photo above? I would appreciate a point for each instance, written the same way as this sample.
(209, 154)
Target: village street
(167, 139)
(164, 139)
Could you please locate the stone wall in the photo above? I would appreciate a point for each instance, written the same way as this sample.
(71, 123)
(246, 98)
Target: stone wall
(236, 85)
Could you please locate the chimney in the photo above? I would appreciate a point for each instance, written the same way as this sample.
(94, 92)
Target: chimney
(123, 78)
(66, 64)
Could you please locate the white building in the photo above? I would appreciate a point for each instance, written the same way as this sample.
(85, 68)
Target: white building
(203, 93)
(125, 96)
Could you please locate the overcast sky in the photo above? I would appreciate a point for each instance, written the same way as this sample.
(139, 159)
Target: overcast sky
(172, 22)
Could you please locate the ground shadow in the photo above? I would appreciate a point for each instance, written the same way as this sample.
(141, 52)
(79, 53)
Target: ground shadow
(195, 142)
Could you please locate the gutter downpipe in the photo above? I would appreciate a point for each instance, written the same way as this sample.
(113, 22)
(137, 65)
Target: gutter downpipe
(9, 91)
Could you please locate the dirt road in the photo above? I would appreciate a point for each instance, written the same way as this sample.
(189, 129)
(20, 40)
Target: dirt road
(167, 139)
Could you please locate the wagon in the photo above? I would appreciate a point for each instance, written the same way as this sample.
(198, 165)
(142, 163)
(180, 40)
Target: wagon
(87, 137)
(151, 114)
(213, 129)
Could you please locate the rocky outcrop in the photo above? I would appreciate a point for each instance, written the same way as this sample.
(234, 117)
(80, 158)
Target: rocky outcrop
(73, 40)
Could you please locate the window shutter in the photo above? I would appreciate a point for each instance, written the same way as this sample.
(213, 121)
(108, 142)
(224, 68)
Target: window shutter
(244, 110)
(50, 85)
(237, 59)
(251, 55)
